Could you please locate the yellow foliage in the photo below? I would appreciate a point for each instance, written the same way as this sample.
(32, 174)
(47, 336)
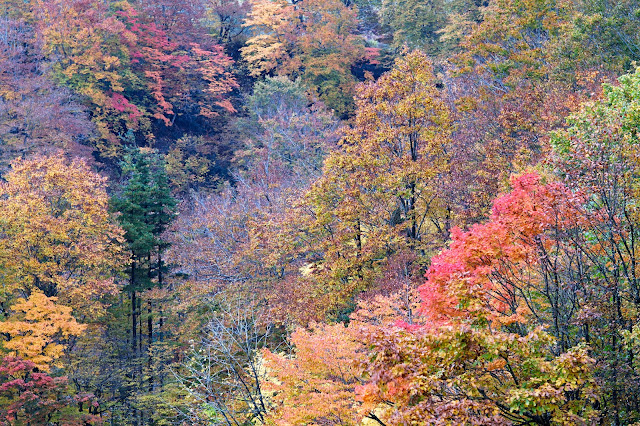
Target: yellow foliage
(37, 327)
(56, 233)
(384, 190)
(270, 20)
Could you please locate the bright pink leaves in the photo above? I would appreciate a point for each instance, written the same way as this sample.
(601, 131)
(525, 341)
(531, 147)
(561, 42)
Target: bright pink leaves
(121, 104)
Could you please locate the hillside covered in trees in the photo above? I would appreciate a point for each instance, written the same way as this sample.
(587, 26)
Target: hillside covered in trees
(319, 212)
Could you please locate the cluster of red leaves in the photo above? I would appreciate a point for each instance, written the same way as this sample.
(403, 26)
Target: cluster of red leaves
(483, 356)
(461, 280)
(28, 395)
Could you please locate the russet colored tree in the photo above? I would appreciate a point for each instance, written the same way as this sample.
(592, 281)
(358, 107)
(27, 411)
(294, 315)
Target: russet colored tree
(486, 347)
(465, 375)
(494, 349)
(129, 70)
(29, 396)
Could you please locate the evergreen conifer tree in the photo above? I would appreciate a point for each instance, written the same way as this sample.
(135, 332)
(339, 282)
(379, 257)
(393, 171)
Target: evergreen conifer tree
(146, 209)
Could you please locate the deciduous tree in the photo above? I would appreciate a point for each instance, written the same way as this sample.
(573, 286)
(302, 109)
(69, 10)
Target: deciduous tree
(36, 327)
(598, 156)
(131, 74)
(316, 384)
(28, 396)
(381, 191)
(57, 234)
(313, 40)
(496, 347)
(223, 373)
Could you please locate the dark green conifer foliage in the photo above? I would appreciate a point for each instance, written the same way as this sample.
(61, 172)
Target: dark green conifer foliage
(146, 209)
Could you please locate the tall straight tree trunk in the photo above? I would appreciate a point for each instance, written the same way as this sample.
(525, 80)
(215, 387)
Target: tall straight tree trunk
(139, 315)
(159, 268)
(134, 320)
(134, 323)
(150, 342)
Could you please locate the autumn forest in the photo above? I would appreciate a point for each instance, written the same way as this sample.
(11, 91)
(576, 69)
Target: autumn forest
(319, 212)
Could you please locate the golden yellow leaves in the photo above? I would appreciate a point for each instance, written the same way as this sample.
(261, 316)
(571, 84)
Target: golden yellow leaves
(37, 328)
(57, 242)
(56, 234)
(265, 50)
(383, 191)
(314, 40)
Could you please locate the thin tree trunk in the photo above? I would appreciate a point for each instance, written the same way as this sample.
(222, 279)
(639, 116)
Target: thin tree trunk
(134, 323)
(150, 341)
